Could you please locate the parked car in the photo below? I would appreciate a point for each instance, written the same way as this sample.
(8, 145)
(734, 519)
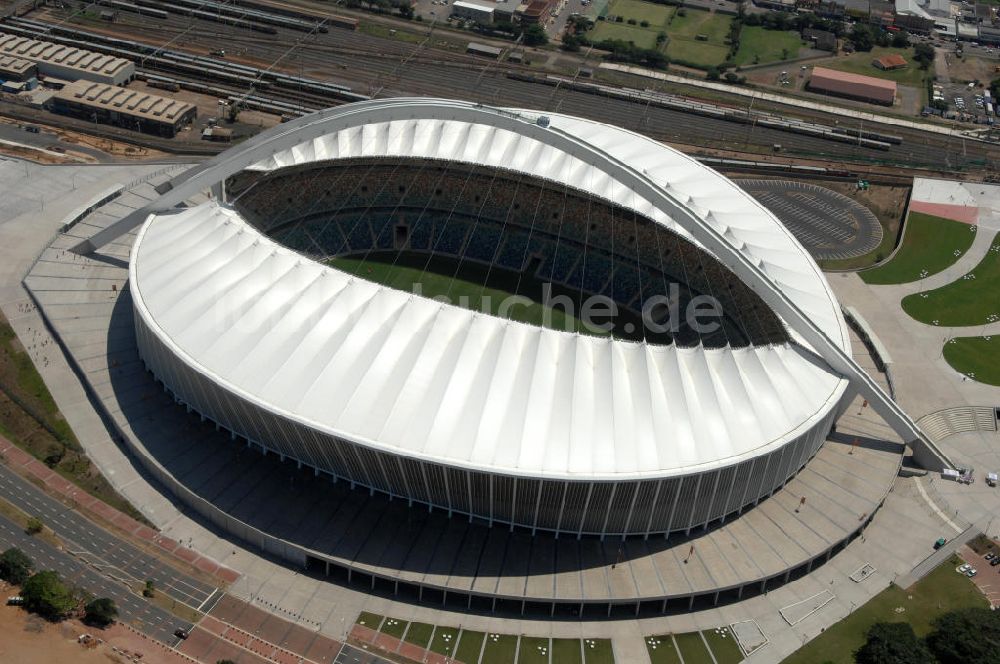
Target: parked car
(995, 562)
(990, 556)
(180, 633)
(939, 543)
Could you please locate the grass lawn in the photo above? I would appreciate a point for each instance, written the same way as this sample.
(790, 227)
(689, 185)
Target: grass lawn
(661, 650)
(369, 620)
(657, 15)
(696, 53)
(758, 45)
(419, 634)
(975, 355)
(693, 649)
(683, 44)
(598, 651)
(35, 425)
(929, 245)
(469, 645)
(566, 651)
(499, 649)
(969, 300)
(861, 63)
(939, 592)
(394, 627)
(641, 37)
(440, 283)
(724, 646)
(533, 650)
(444, 641)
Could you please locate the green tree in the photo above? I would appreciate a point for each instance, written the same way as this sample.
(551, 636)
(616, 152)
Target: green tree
(714, 74)
(862, 38)
(901, 39)
(15, 566)
(892, 643)
(149, 590)
(923, 54)
(101, 612)
(995, 87)
(966, 636)
(571, 43)
(534, 35)
(46, 594)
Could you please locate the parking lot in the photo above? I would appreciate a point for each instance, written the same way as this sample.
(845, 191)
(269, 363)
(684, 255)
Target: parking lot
(969, 103)
(987, 577)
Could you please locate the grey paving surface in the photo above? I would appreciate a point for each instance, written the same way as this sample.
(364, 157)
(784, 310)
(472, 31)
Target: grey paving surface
(132, 609)
(828, 224)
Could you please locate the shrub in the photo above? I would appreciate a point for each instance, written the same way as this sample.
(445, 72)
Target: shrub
(15, 566)
(46, 594)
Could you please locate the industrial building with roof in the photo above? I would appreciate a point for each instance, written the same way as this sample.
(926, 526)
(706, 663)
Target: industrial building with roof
(132, 109)
(68, 62)
(890, 62)
(852, 86)
(16, 69)
(242, 316)
(481, 14)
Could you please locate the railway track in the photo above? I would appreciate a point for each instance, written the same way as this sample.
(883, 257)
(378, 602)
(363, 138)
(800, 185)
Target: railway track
(365, 64)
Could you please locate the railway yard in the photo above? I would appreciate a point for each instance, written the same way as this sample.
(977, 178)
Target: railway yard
(285, 62)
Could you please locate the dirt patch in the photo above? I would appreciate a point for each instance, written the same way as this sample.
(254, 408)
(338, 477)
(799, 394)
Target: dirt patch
(28, 639)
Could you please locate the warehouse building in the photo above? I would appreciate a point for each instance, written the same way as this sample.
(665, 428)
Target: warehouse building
(109, 104)
(469, 10)
(16, 69)
(852, 86)
(68, 62)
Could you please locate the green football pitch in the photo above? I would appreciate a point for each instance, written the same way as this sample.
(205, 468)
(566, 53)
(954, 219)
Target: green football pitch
(472, 286)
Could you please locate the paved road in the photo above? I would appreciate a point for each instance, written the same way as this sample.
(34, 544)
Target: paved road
(132, 609)
(101, 549)
(47, 141)
(351, 655)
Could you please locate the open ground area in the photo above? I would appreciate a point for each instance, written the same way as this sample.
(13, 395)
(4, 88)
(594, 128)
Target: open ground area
(476, 647)
(695, 36)
(698, 37)
(930, 244)
(711, 646)
(759, 45)
(977, 357)
(969, 300)
(939, 592)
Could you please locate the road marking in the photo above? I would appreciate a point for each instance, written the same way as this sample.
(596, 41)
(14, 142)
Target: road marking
(207, 599)
(937, 510)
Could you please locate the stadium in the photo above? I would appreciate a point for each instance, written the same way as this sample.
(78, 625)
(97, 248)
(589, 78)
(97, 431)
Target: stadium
(283, 310)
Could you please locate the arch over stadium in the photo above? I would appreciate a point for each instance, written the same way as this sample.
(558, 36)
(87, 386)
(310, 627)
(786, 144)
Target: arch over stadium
(497, 419)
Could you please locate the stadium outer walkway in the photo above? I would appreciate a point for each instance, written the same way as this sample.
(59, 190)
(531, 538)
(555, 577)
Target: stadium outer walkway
(892, 549)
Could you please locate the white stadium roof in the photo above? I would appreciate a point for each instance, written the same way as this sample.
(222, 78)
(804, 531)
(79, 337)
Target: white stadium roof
(413, 376)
